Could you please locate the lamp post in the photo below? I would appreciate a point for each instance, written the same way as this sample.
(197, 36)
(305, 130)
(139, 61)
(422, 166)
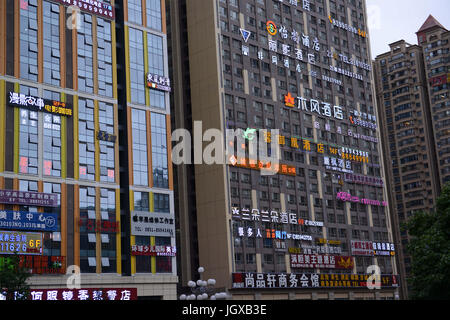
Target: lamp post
(203, 290)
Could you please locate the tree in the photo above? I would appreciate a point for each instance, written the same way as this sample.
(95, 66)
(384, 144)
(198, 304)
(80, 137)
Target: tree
(13, 279)
(429, 248)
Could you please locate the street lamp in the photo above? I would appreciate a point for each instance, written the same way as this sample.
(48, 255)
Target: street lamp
(202, 290)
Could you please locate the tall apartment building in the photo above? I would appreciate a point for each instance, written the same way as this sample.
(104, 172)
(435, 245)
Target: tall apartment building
(434, 39)
(85, 145)
(303, 67)
(412, 96)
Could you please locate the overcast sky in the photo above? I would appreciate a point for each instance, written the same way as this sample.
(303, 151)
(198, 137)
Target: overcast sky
(393, 20)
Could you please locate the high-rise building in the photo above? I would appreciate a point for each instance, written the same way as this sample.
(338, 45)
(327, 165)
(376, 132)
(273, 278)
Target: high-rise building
(85, 168)
(413, 100)
(321, 225)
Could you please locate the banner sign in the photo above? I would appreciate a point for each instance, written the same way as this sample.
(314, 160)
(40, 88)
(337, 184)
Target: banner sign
(27, 243)
(35, 221)
(84, 294)
(38, 264)
(347, 197)
(102, 226)
(361, 179)
(250, 280)
(28, 198)
(97, 7)
(362, 248)
(21, 100)
(321, 261)
(155, 251)
(152, 224)
(273, 217)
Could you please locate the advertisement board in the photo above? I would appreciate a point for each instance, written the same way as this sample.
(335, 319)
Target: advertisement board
(33, 221)
(26, 243)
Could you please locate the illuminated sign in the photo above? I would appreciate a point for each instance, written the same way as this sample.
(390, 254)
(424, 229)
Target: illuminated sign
(270, 234)
(259, 165)
(320, 261)
(28, 198)
(271, 28)
(84, 294)
(158, 82)
(383, 249)
(97, 7)
(155, 251)
(289, 100)
(21, 100)
(317, 249)
(247, 280)
(362, 137)
(362, 123)
(321, 108)
(349, 61)
(345, 72)
(326, 241)
(273, 217)
(347, 197)
(337, 164)
(152, 224)
(347, 27)
(365, 180)
(27, 243)
(36, 221)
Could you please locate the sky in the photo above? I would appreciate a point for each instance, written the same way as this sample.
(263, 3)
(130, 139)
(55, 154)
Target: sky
(393, 20)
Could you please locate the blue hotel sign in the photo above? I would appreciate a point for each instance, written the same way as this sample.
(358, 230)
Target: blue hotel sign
(35, 221)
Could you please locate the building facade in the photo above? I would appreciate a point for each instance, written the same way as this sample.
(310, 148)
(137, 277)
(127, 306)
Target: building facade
(316, 228)
(85, 118)
(412, 96)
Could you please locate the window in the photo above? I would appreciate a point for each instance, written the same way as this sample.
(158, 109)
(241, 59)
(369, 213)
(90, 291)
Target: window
(86, 139)
(51, 44)
(52, 139)
(154, 20)
(135, 11)
(155, 54)
(159, 151)
(87, 234)
(28, 136)
(108, 236)
(107, 154)
(139, 138)
(28, 41)
(137, 76)
(85, 55)
(104, 54)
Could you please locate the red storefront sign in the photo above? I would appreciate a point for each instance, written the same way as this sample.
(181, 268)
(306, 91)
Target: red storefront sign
(362, 248)
(317, 261)
(84, 294)
(100, 226)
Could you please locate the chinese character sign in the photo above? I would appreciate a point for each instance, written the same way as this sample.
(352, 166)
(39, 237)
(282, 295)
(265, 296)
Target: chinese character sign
(84, 294)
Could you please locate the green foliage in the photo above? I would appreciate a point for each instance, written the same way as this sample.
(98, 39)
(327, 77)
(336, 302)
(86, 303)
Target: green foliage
(13, 279)
(429, 248)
